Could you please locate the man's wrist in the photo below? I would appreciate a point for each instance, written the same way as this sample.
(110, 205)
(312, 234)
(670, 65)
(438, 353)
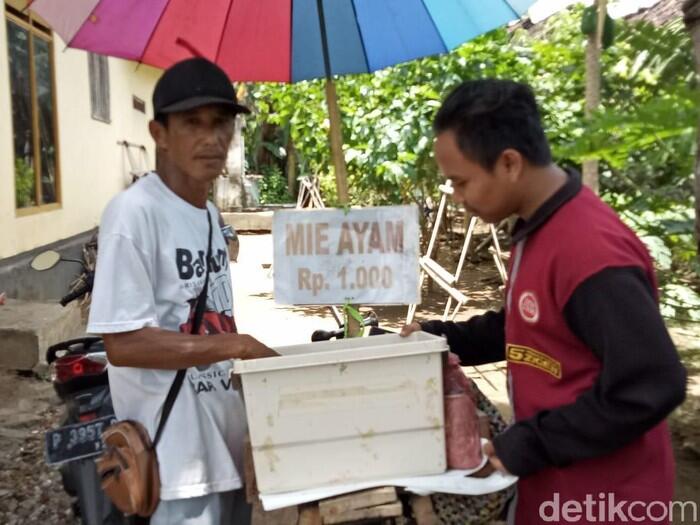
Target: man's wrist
(235, 346)
(520, 450)
(432, 327)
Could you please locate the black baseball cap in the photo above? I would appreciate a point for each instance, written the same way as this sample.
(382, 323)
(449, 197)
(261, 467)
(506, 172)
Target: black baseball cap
(192, 83)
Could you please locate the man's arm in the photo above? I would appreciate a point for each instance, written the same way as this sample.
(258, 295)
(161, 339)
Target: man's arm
(641, 381)
(479, 340)
(168, 350)
(123, 311)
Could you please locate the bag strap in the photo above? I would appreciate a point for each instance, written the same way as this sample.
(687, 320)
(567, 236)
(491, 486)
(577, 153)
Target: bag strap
(197, 322)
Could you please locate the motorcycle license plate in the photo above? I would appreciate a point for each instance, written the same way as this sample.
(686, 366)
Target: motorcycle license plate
(79, 441)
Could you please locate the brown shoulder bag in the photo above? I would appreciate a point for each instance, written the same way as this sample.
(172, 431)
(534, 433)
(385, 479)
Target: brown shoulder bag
(128, 467)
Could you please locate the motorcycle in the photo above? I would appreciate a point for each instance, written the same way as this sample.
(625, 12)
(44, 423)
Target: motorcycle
(79, 375)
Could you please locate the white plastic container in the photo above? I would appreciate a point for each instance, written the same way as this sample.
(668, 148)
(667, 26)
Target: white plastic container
(345, 411)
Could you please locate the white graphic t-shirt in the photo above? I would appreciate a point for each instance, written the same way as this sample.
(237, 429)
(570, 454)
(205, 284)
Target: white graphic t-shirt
(150, 271)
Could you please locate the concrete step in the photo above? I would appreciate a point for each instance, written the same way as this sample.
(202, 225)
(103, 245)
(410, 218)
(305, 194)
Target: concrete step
(28, 328)
(249, 220)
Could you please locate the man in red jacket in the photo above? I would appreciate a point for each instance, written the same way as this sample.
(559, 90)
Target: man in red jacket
(592, 371)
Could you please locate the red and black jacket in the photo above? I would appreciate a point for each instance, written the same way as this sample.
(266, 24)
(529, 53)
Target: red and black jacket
(592, 369)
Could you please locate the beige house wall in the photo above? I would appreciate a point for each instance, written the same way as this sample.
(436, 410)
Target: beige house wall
(92, 166)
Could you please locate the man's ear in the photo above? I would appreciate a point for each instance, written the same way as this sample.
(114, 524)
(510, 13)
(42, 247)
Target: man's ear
(159, 134)
(512, 163)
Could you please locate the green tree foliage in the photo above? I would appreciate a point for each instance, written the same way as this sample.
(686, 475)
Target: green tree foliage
(644, 134)
(24, 184)
(273, 186)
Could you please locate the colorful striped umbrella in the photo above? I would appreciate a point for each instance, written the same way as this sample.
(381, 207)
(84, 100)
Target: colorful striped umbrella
(275, 40)
(278, 40)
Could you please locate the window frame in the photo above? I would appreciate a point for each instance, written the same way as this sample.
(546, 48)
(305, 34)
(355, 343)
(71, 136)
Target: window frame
(98, 77)
(37, 29)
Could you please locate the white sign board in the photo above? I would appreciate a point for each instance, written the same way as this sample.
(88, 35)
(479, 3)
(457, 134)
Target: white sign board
(330, 256)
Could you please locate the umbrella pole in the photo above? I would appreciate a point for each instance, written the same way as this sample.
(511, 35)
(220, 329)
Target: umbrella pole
(336, 131)
(354, 328)
(336, 136)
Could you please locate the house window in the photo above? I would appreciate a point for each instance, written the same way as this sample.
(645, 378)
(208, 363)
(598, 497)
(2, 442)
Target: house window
(30, 50)
(98, 69)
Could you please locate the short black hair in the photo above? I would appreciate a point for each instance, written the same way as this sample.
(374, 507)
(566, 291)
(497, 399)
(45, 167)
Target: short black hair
(488, 116)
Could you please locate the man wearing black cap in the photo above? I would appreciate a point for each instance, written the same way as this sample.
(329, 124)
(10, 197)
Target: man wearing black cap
(151, 268)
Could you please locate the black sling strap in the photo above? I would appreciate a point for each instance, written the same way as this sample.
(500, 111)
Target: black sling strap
(197, 322)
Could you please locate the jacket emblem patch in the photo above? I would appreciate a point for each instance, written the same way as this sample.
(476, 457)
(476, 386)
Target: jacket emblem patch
(528, 307)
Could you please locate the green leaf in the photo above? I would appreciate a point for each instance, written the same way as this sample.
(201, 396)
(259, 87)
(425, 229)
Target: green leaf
(659, 251)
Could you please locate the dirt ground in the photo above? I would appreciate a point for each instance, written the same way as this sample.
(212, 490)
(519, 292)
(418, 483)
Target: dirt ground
(31, 492)
(685, 420)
